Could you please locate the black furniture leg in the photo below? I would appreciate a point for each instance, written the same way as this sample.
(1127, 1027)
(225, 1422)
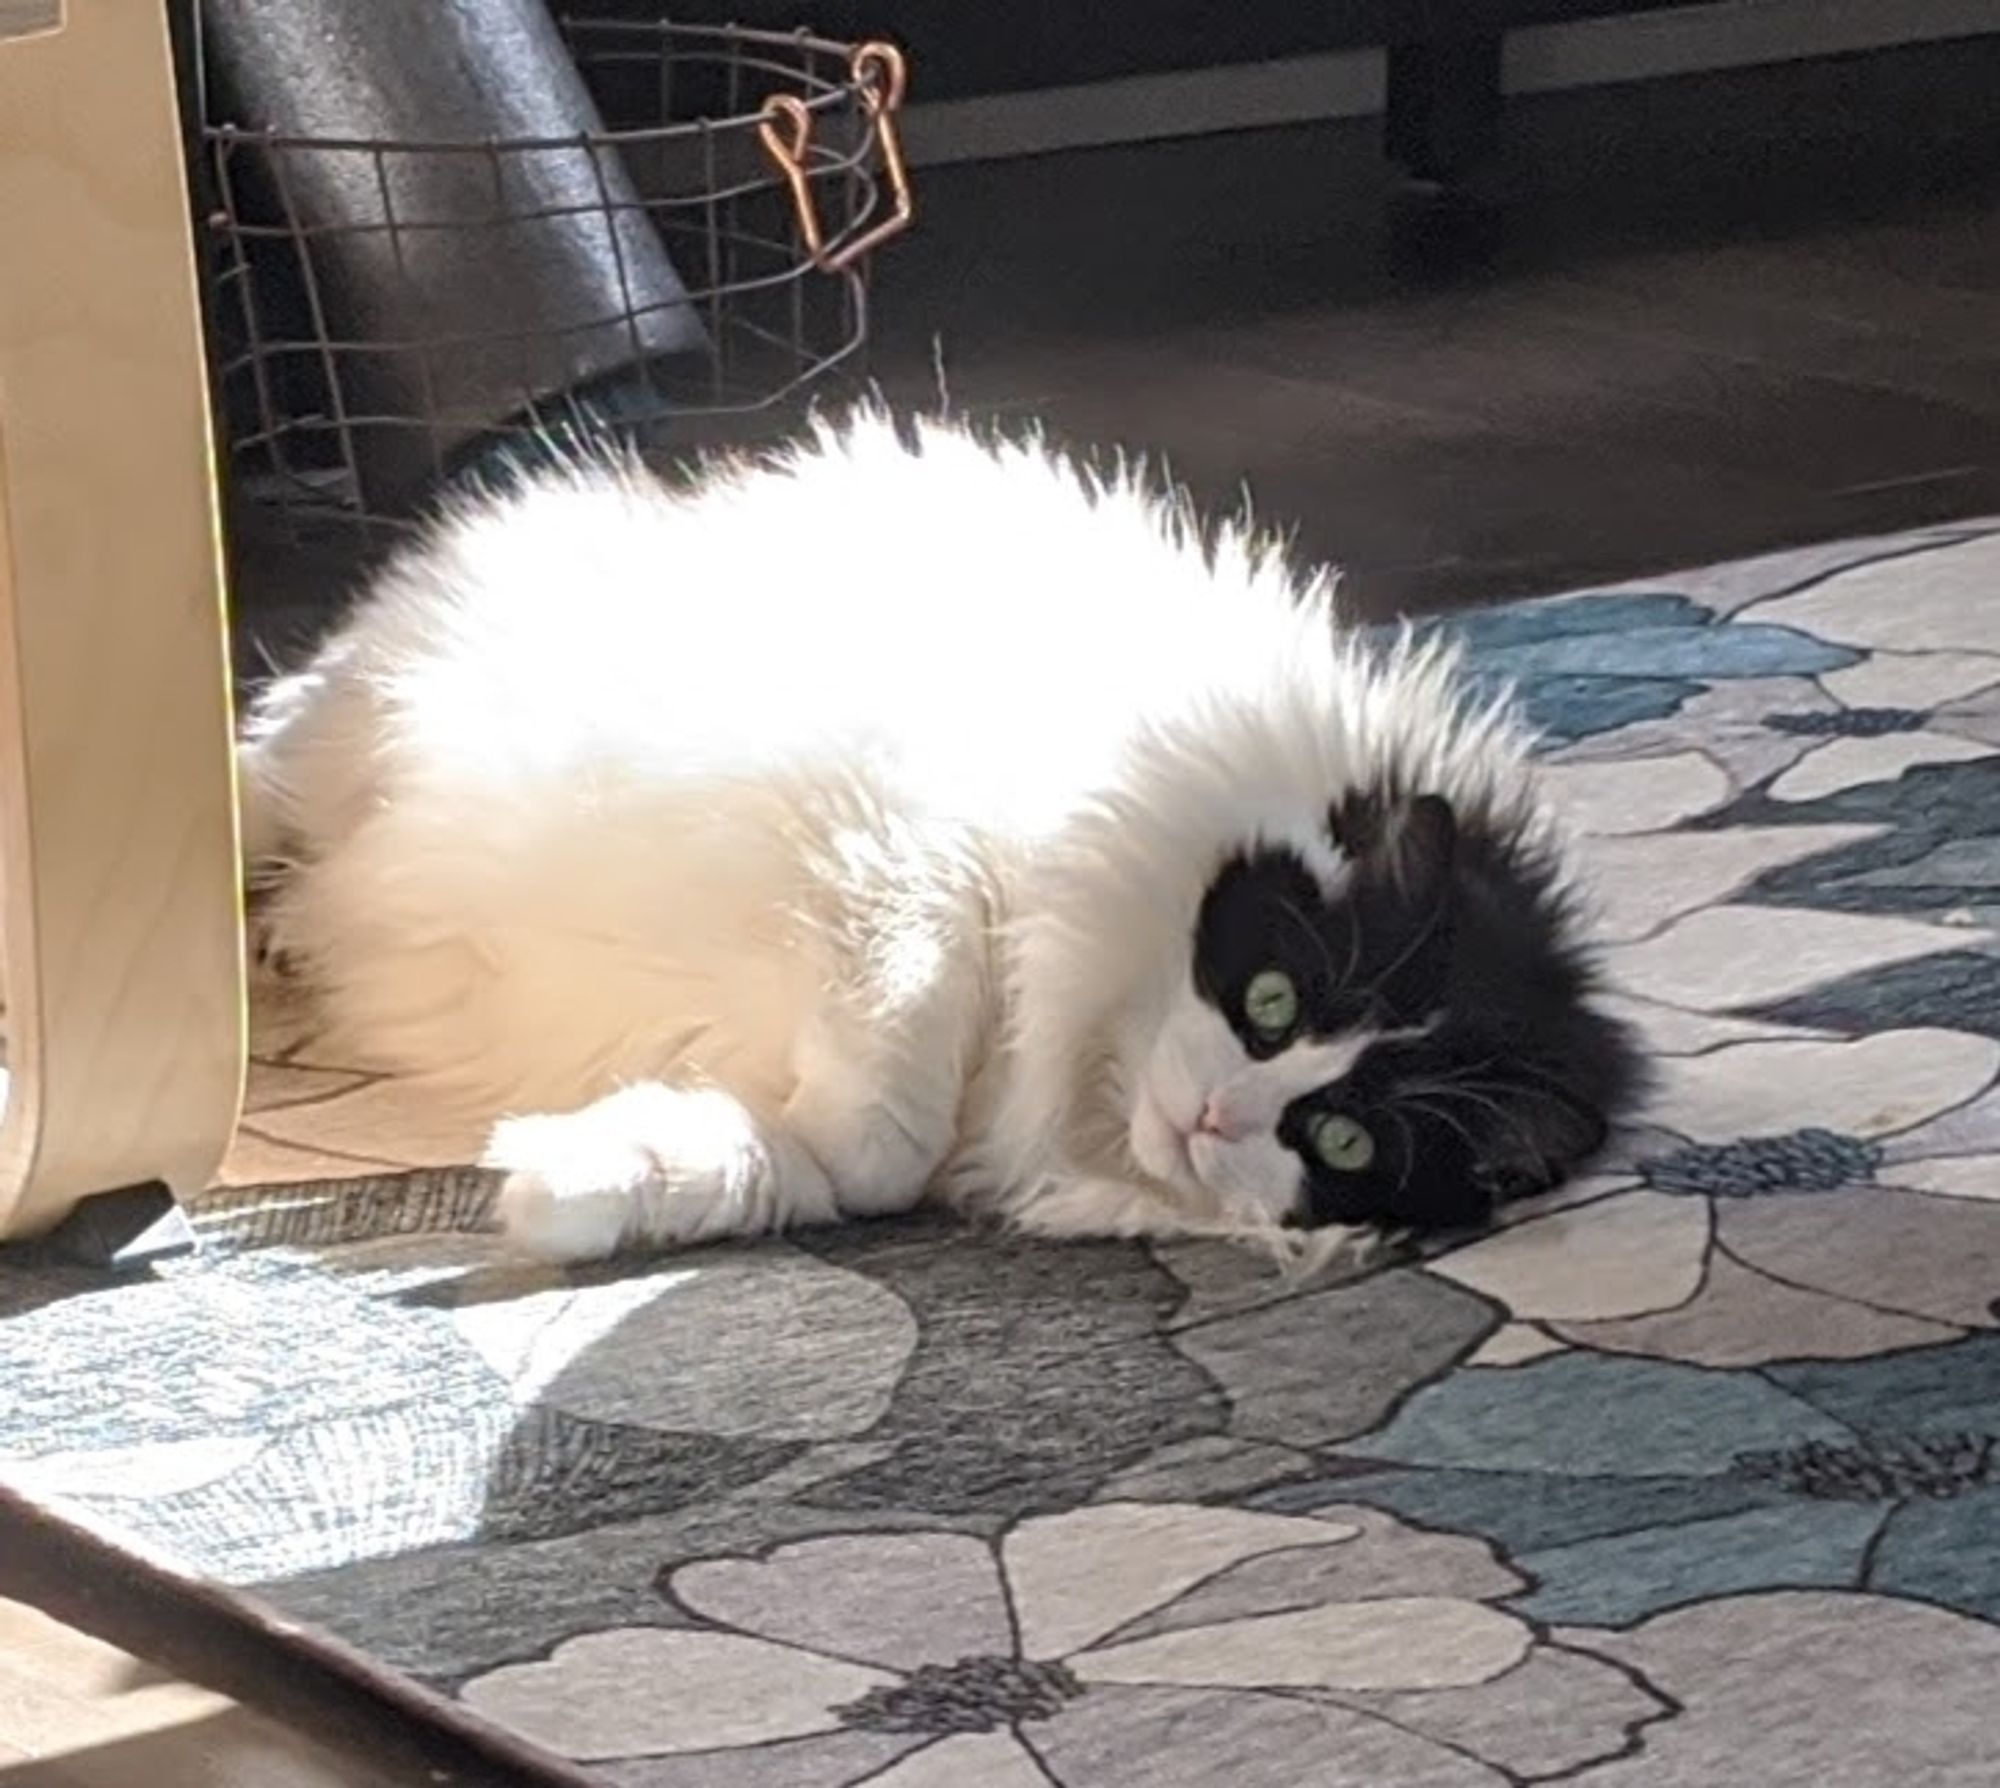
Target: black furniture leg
(122, 1231)
(1442, 127)
(1443, 117)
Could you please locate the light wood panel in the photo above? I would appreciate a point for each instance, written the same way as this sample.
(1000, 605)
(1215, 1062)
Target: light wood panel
(122, 918)
(76, 1712)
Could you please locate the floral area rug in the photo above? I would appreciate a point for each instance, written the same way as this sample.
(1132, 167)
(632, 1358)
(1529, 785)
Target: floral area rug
(1687, 1476)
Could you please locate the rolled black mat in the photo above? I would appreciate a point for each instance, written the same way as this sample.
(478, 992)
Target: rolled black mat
(463, 273)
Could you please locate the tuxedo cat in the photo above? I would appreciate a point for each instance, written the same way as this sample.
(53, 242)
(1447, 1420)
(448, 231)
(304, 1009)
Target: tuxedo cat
(916, 814)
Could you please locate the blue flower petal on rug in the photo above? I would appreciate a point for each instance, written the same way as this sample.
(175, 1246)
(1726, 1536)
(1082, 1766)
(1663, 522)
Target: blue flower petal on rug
(1936, 848)
(1492, 630)
(1622, 1578)
(1947, 1389)
(1565, 709)
(1628, 1486)
(1944, 1551)
(1592, 1413)
(1707, 653)
(1584, 665)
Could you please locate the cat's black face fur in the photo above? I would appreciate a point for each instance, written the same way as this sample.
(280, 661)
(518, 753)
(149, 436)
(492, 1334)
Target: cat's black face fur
(1493, 1078)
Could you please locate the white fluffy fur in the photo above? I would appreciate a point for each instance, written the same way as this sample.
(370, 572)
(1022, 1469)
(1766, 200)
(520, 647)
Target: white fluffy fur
(830, 832)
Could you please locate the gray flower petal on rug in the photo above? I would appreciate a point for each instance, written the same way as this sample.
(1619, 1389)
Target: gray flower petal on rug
(1219, 1279)
(1730, 958)
(1193, 1738)
(897, 1600)
(1215, 1467)
(1554, 1713)
(1075, 1577)
(1906, 1252)
(1935, 681)
(1850, 762)
(1623, 1255)
(663, 1347)
(971, 1760)
(1621, 797)
(1329, 1364)
(1515, 1344)
(1970, 1129)
(1669, 1030)
(1975, 714)
(1740, 1317)
(1383, 1558)
(1378, 1644)
(1868, 1087)
(1057, 1347)
(716, 1691)
(825, 1760)
(1730, 588)
(1844, 1688)
(1634, 886)
(1939, 602)
(1947, 1176)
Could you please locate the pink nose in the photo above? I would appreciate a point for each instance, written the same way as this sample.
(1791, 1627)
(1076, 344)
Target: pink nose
(1219, 1121)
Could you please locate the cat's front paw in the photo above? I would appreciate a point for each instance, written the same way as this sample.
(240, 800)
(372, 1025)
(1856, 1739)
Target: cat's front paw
(569, 1194)
(649, 1166)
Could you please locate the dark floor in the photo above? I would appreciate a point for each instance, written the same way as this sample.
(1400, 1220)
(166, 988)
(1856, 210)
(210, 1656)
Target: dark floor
(1723, 314)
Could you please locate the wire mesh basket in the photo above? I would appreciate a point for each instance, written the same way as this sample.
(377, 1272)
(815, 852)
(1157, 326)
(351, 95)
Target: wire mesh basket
(763, 166)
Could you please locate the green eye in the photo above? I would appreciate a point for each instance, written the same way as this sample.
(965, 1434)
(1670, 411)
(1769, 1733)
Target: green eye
(1271, 1003)
(1342, 1144)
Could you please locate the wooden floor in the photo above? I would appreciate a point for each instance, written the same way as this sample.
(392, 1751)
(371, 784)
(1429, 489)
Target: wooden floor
(1725, 314)
(77, 1713)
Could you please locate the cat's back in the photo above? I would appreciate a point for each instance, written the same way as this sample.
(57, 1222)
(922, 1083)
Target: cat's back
(903, 596)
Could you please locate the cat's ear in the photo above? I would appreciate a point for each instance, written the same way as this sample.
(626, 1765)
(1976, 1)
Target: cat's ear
(1407, 844)
(1549, 1130)
(1403, 855)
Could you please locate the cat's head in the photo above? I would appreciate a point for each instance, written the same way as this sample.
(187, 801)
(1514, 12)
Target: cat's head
(1381, 1018)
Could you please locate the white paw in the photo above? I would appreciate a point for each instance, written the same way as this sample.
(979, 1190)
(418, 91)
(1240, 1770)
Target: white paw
(874, 1162)
(541, 1221)
(877, 1142)
(571, 1190)
(650, 1165)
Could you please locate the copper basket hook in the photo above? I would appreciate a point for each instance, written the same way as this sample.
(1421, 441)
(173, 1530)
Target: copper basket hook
(880, 75)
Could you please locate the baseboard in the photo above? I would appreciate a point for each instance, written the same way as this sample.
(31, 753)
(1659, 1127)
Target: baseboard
(1349, 84)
